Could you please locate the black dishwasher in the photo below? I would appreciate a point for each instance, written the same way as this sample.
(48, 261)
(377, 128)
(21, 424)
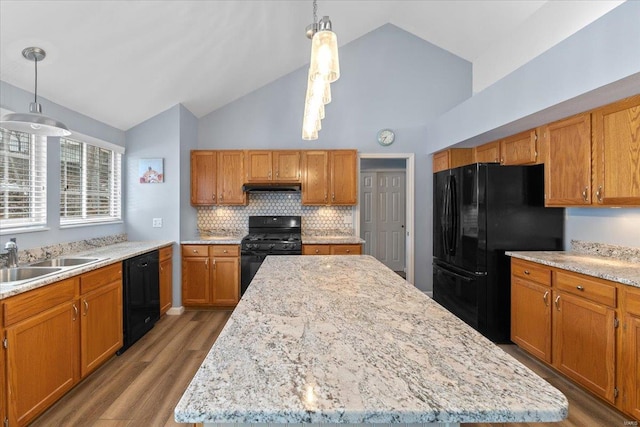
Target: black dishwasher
(141, 297)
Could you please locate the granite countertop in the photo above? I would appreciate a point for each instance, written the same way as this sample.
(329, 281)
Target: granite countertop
(107, 255)
(343, 339)
(331, 240)
(228, 239)
(605, 267)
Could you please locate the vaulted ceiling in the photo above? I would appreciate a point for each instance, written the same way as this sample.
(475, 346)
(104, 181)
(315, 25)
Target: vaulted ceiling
(121, 62)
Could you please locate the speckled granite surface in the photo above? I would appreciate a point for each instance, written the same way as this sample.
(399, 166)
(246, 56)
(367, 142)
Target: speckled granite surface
(214, 240)
(343, 339)
(107, 255)
(331, 240)
(620, 264)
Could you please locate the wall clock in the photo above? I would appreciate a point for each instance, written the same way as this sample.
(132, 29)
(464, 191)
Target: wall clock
(386, 137)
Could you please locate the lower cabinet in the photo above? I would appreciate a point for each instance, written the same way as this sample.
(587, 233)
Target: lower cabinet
(210, 275)
(345, 249)
(631, 352)
(166, 279)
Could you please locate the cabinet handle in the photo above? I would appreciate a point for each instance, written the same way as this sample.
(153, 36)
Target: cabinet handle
(580, 288)
(277, 174)
(333, 196)
(75, 312)
(195, 251)
(214, 263)
(206, 263)
(557, 303)
(224, 251)
(86, 307)
(599, 194)
(502, 160)
(214, 197)
(527, 272)
(221, 197)
(348, 250)
(584, 194)
(317, 251)
(544, 298)
(269, 175)
(325, 197)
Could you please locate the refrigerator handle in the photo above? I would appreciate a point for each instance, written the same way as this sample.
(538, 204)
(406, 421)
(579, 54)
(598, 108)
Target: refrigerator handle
(454, 216)
(444, 220)
(452, 274)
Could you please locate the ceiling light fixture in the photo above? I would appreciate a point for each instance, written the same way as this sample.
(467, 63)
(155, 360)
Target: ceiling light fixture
(34, 122)
(324, 69)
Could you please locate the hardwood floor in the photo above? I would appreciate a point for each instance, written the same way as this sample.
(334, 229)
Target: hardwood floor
(141, 387)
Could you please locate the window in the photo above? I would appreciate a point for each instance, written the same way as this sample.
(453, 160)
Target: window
(23, 180)
(90, 178)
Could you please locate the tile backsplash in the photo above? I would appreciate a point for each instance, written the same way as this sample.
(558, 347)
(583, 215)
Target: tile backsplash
(321, 219)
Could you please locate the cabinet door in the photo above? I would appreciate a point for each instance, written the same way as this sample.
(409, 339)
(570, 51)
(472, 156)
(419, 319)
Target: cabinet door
(531, 317)
(203, 178)
(100, 326)
(259, 166)
(286, 165)
(226, 281)
(195, 281)
(315, 177)
(584, 343)
(567, 166)
(617, 153)
(166, 284)
(344, 182)
(519, 149)
(316, 249)
(488, 153)
(346, 249)
(42, 361)
(440, 161)
(231, 178)
(631, 365)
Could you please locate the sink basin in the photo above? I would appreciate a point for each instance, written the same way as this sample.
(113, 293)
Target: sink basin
(64, 262)
(24, 273)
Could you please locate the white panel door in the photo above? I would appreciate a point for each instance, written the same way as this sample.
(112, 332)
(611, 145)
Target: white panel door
(368, 212)
(390, 245)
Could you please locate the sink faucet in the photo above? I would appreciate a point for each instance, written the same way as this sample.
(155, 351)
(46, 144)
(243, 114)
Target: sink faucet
(11, 248)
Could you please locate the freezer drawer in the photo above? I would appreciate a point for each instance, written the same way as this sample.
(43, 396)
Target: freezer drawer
(463, 295)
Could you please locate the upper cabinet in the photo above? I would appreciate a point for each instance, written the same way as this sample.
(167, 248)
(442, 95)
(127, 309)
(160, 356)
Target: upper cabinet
(217, 177)
(616, 153)
(452, 158)
(488, 153)
(278, 166)
(329, 177)
(568, 161)
(520, 149)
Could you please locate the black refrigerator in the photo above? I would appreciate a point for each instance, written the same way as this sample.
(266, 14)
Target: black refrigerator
(479, 212)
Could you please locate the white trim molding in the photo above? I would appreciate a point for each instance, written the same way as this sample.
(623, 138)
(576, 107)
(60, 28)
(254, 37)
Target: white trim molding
(175, 311)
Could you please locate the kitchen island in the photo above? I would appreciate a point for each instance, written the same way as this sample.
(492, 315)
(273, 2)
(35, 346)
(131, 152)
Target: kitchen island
(343, 339)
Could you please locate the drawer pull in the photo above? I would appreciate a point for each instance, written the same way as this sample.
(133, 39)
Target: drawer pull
(75, 312)
(348, 250)
(544, 298)
(527, 272)
(580, 288)
(557, 303)
(585, 196)
(224, 251)
(317, 251)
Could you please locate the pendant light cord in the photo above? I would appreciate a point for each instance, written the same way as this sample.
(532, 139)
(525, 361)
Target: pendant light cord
(35, 97)
(315, 11)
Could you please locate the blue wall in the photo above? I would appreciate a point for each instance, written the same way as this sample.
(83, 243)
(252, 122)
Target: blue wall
(389, 78)
(17, 100)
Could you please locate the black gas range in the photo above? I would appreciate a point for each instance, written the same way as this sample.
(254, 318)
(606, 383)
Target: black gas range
(268, 235)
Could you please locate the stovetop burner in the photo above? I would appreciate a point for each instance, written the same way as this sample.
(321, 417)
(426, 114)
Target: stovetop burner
(272, 235)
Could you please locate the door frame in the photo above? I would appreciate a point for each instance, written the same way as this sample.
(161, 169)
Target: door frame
(409, 204)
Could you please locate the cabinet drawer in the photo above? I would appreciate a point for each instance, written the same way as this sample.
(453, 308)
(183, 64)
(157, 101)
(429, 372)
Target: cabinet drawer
(224, 250)
(531, 271)
(195, 250)
(632, 301)
(100, 277)
(345, 249)
(165, 253)
(30, 303)
(586, 287)
(316, 249)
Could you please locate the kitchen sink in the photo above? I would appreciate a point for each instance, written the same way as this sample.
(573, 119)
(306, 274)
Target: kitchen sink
(24, 273)
(64, 262)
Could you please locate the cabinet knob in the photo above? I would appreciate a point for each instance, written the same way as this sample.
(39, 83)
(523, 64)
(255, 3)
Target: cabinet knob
(527, 272)
(580, 288)
(195, 251)
(317, 251)
(224, 251)
(348, 250)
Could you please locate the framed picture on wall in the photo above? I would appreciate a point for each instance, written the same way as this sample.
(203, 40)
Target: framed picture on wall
(151, 171)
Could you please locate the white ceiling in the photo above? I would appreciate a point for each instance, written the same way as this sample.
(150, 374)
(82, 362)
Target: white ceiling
(122, 62)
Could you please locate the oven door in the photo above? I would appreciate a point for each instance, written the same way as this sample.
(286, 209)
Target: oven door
(249, 265)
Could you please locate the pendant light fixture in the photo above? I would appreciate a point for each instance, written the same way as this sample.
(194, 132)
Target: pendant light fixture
(324, 69)
(34, 122)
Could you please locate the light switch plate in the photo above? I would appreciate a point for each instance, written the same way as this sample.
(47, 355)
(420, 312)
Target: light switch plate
(157, 222)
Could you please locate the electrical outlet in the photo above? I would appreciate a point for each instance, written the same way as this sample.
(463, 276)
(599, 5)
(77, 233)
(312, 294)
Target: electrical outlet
(157, 222)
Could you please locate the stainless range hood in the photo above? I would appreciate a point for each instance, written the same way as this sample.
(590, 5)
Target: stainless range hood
(270, 186)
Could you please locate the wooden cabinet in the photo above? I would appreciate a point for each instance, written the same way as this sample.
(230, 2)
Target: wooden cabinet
(568, 161)
(487, 153)
(166, 279)
(519, 149)
(452, 158)
(204, 166)
(210, 275)
(217, 177)
(343, 249)
(616, 153)
(266, 166)
(329, 177)
(42, 332)
(531, 308)
(630, 352)
(101, 316)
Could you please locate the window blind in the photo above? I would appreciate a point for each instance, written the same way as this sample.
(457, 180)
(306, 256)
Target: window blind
(90, 183)
(23, 180)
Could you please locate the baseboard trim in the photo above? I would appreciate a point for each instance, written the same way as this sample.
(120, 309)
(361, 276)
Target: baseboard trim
(175, 311)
